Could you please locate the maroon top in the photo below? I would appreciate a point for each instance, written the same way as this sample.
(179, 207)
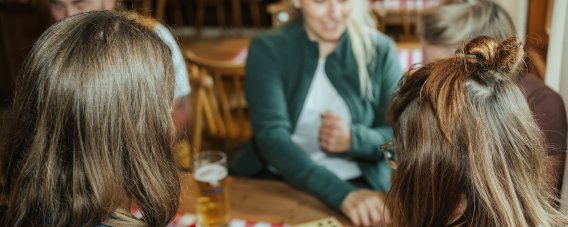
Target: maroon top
(548, 110)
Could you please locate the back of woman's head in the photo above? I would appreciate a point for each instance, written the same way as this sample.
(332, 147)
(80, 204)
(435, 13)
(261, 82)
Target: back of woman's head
(93, 127)
(456, 21)
(469, 151)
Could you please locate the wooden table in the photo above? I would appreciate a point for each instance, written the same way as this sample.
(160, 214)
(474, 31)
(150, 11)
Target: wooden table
(232, 50)
(265, 200)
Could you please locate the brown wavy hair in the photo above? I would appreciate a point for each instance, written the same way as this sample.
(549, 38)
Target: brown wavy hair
(469, 152)
(93, 129)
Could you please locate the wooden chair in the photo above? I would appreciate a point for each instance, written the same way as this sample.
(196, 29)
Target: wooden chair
(255, 10)
(200, 85)
(220, 109)
(201, 4)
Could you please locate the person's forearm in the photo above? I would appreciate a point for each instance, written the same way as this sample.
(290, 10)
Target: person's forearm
(366, 141)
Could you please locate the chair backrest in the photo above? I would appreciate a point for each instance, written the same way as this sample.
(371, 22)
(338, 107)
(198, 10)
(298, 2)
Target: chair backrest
(218, 90)
(200, 84)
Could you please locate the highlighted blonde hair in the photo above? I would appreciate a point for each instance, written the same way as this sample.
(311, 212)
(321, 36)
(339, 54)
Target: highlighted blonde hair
(359, 28)
(469, 151)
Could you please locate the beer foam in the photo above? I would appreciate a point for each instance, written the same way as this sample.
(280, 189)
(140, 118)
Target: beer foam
(212, 173)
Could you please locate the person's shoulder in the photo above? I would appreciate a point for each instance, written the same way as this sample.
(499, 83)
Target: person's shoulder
(380, 40)
(536, 90)
(281, 37)
(160, 28)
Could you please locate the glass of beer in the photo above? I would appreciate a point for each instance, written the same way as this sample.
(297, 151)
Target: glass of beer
(210, 174)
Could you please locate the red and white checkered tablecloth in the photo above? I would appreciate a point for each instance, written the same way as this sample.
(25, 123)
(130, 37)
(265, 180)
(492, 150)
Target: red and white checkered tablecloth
(190, 220)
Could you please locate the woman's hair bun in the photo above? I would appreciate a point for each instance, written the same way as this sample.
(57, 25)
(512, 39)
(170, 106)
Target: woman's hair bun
(481, 51)
(509, 56)
(486, 54)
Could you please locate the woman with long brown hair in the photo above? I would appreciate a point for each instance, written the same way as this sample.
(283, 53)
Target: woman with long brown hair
(93, 131)
(443, 28)
(468, 151)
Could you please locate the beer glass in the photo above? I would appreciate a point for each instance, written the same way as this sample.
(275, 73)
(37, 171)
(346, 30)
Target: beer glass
(210, 174)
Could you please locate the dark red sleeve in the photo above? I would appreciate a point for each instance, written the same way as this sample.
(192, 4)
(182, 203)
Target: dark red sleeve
(549, 112)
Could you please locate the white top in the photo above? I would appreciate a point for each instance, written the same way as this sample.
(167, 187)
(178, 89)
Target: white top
(322, 96)
(182, 82)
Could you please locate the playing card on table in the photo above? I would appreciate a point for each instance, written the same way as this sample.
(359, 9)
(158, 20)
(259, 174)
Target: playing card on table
(324, 222)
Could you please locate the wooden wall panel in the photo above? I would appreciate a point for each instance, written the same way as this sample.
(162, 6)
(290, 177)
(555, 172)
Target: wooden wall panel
(537, 35)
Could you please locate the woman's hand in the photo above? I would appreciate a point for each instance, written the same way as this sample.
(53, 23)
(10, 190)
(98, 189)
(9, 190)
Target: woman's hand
(366, 208)
(334, 133)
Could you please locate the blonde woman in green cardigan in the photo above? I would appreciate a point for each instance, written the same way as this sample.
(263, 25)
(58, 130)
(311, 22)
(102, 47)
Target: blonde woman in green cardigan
(317, 89)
